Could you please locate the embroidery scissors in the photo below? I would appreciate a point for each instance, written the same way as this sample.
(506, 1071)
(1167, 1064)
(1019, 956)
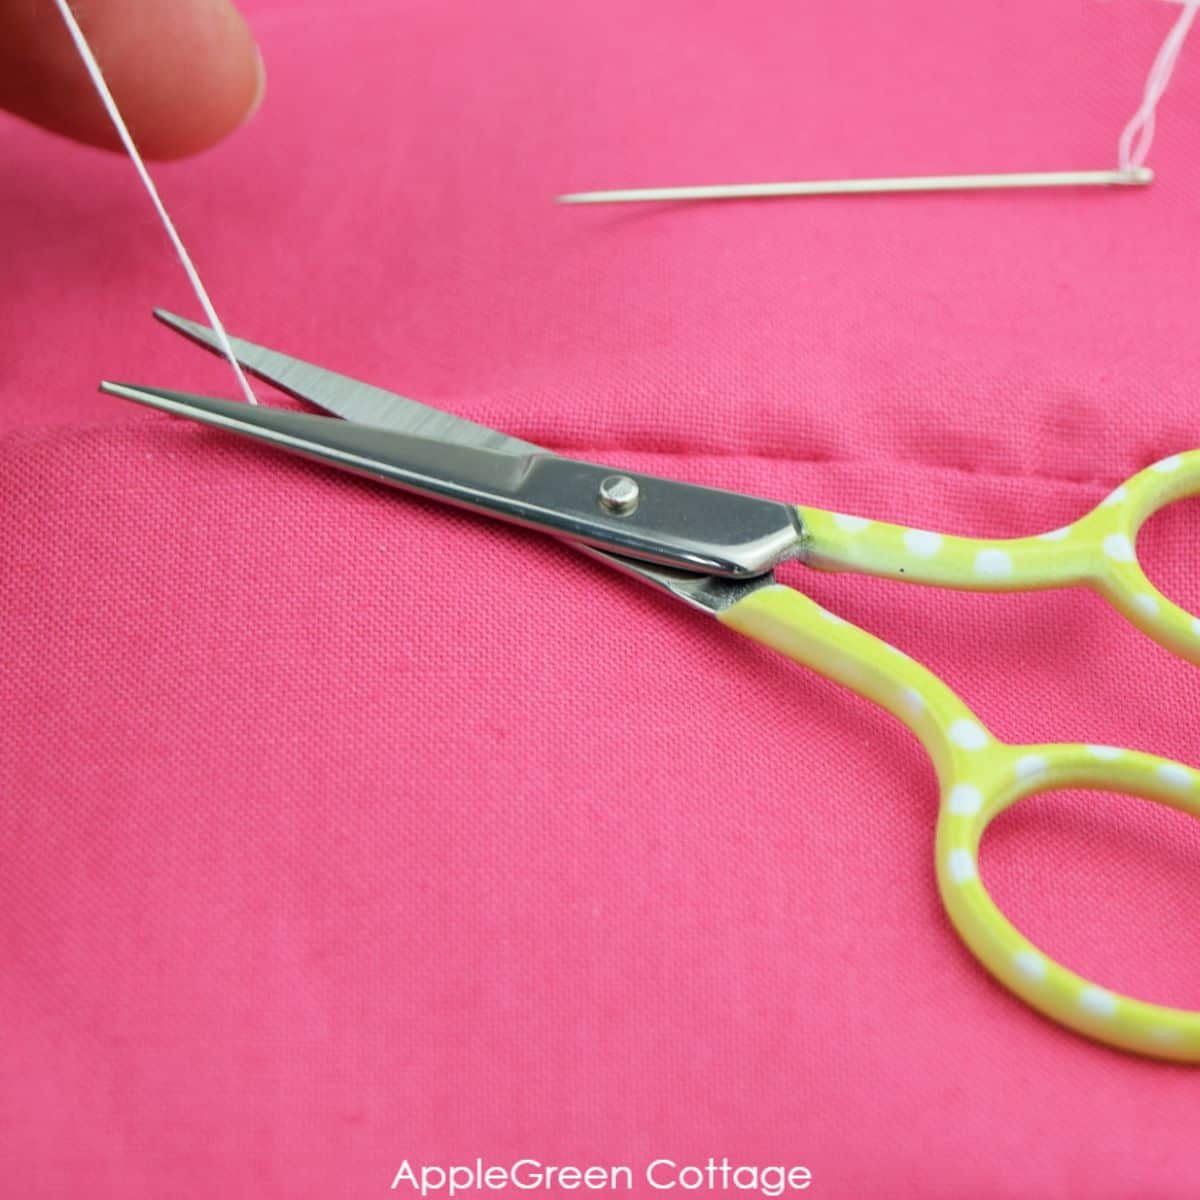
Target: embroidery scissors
(716, 551)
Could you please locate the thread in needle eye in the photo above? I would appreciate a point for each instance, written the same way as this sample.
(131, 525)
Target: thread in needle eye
(1132, 149)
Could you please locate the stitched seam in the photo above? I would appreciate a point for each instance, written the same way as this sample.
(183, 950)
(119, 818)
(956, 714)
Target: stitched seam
(797, 460)
(21, 432)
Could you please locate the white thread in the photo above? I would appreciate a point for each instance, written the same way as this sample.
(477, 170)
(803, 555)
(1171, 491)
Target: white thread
(1138, 134)
(93, 69)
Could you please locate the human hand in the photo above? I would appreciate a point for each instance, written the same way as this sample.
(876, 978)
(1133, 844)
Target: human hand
(184, 72)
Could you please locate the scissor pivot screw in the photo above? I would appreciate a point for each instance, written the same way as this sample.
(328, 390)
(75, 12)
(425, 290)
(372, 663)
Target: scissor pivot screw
(619, 494)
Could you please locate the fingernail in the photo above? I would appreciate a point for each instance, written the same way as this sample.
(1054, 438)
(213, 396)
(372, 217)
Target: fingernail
(260, 86)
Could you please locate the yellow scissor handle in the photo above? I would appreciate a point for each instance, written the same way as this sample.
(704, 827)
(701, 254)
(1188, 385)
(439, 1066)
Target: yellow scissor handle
(980, 777)
(1097, 551)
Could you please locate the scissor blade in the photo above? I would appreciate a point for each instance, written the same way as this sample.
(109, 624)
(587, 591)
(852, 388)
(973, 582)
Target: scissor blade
(421, 463)
(348, 398)
(677, 524)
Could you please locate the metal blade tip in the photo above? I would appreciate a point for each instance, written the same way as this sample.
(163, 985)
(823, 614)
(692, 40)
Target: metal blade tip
(191, 329)
(160, 398)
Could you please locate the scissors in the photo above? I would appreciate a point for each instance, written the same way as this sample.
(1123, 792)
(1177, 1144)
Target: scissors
(716, 551)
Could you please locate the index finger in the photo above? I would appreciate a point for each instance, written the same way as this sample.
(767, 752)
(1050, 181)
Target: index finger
(184, 74)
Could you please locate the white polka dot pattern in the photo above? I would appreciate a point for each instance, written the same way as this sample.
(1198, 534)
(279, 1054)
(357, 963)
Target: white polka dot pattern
(961, 865)
(993, 562)
(965, 800)
(1030, 766)
(922, 543)
(1146, 604)
(970, 735)
(849, 523)
(1118, 547)
(1098, 1001)
(1176, 776)
(979, 775)
(1030, 963)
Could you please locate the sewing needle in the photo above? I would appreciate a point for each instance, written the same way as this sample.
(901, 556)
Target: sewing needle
(1115, 177)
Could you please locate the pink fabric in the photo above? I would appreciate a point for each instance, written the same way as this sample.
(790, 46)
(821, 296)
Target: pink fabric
(339, 828)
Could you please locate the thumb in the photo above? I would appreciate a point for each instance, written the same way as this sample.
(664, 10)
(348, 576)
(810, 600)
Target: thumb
(183, 73)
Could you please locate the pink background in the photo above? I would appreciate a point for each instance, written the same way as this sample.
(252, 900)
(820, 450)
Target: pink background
(339, 828)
